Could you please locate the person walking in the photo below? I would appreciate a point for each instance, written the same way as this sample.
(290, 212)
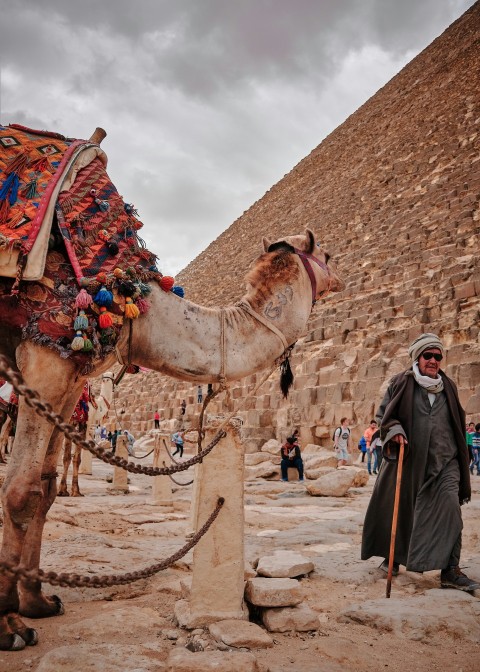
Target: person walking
(341, 442)
(421, 406)
(178, 440)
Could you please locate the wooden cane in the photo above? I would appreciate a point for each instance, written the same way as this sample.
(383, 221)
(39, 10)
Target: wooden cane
(396, 502)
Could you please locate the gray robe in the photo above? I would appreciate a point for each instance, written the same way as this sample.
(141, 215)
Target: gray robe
(429, 522)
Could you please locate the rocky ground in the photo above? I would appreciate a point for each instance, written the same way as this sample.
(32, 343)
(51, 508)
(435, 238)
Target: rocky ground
(132, 627)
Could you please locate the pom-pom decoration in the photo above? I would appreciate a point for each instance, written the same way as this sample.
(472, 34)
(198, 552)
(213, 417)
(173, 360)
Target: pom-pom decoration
(112, 248)
(103, 297)
(179, 291)
(101, 278)
(118, 273)
(104, 319)
(143, 305)
(87, 344)
(83, 299)
(166, 283)
(131, 310)
(81, 321)
(77, 343)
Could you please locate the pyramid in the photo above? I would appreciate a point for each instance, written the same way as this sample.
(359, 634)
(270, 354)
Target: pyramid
(393, 194)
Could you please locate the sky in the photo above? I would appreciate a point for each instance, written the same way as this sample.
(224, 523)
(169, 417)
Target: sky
(206, 103)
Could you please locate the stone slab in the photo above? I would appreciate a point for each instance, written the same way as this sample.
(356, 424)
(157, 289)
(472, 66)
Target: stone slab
(333, 484)
(287, 619)
(182, 660)
(101, 658)
(265, 592)
(284, 564)
(240, 634)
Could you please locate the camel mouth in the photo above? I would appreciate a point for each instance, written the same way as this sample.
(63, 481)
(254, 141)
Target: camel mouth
(336, 284)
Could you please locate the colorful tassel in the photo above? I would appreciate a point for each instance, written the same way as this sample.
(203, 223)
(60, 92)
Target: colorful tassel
(77, 343)
(107, 336)
(87, 344)
(130, 209)
(103, 297)
(131, 310)
(179, 291)
(143, 306)
(104, 319)
(83, 299)
(40, 165)
(81, 321)
(10, 189)
(17, 163)
(166, 283)
(30, 190)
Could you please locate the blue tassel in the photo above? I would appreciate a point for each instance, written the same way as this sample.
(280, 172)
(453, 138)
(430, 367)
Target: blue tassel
(103, 205)
(179, 291)
(103, 297)
(10, 185)
(81, 321)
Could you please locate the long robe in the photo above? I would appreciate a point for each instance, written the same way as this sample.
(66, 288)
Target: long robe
(434, 481)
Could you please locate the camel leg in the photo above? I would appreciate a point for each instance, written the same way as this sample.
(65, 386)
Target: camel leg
(22, 491)
(67, 458)
(77, 458)
(6, 423)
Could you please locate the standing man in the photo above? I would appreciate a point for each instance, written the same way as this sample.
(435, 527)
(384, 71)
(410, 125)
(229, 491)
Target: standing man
(421, 405)
(341, 442)
(368, 433)
(156, 419)
(199, 394)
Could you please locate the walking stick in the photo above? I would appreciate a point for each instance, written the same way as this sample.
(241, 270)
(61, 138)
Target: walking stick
(396, 502)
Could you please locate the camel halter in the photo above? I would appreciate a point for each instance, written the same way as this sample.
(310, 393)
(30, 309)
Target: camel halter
(306, 260)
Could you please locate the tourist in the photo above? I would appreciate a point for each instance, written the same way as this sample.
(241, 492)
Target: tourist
(470, 429)
(376, 450)
(341, 442)
(199, 394)
(183, 407)
(476, 449)
(368, 433)
(178, 441)
(362, 447)
(436, 478)
(156, 420)
(130, 441)
(291, 457)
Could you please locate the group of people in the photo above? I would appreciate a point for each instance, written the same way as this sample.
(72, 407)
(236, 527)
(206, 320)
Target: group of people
(473, 445)
(113, 436)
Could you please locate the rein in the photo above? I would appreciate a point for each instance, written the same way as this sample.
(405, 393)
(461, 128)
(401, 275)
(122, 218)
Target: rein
(306, 261)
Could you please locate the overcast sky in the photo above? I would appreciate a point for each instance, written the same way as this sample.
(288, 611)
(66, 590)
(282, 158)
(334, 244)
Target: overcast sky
(206, 103)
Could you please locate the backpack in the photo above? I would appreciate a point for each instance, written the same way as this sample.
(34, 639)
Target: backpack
(339, 428)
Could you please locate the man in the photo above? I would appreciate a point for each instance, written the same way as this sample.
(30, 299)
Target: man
(469, 436)
(156, 420)
(421, 405)
(130, 441)
(341, 442)
(367, 434)
(291, 457)
(476, 449)
(178, 440)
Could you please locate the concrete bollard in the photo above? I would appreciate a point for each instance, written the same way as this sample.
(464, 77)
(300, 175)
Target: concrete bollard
(218, 558)
(162, 485)
(120, 476)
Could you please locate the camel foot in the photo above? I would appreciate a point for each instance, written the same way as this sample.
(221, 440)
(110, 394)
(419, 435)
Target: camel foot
(28, 635)
(77, 493)
(63, 493)
(42, 606)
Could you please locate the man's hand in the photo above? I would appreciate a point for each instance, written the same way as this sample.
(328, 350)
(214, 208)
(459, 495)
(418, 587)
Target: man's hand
(398, 438)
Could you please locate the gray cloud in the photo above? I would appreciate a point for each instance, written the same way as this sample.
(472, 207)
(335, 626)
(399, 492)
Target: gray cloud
(206, 104)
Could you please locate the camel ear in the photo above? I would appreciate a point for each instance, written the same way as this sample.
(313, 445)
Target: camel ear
(310, 236)
(266, 244)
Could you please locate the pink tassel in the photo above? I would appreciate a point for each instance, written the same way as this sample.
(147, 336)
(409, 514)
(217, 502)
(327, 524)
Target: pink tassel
(83, 299)
(143, 306)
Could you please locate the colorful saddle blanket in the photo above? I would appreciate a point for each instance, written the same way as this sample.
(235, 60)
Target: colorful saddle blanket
(45, 177)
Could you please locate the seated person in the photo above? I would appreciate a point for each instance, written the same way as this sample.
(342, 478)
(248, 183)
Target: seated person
(290, 453)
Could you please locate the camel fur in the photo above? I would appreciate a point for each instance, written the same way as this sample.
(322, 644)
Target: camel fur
(176, 337)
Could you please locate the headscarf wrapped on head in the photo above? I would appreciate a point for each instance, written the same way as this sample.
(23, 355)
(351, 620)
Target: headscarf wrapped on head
(424, 342)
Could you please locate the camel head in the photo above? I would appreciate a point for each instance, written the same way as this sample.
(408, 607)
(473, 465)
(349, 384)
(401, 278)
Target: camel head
(325, 270)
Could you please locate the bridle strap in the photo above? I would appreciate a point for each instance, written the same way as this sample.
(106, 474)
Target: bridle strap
(124, 368)
(263, 320)
(306, 261)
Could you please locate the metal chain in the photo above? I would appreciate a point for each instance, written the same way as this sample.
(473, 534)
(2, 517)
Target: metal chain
(105, 580)
(45, 410)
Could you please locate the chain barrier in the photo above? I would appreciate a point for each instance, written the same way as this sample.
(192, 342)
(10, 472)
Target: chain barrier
(106, 580)
(142, 457)
(45, 411)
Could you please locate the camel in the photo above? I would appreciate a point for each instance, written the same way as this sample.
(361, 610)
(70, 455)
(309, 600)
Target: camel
(175, 337)
(97, 410)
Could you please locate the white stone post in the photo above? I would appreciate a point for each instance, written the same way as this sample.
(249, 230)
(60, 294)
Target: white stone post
(120, 476)
(86, 463)
(218, 558)
(162, 485)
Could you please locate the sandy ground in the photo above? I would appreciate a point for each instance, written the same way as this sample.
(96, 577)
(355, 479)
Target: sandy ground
(133, 626)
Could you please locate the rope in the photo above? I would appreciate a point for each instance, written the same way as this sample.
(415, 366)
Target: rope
(142, 457)
(45, 411)
(104, 580)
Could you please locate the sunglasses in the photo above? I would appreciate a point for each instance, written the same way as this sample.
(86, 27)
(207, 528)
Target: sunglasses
(428, 355)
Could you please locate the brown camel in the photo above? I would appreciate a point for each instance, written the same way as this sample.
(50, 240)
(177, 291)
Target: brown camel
(176, 337)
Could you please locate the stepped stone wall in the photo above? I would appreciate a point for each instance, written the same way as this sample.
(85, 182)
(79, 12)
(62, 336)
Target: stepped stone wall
(393, 194)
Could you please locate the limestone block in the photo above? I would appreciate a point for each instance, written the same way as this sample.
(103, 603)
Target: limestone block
(272, 446)
(264, 470)
(284, 564)
(324, 458)
(311, 449)
(252, 459)
(334, 484)
(182, 660)
(361, 475)
(286, 619)
(273, 592)
(240, 634)
(313, 474)
(100, 658)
